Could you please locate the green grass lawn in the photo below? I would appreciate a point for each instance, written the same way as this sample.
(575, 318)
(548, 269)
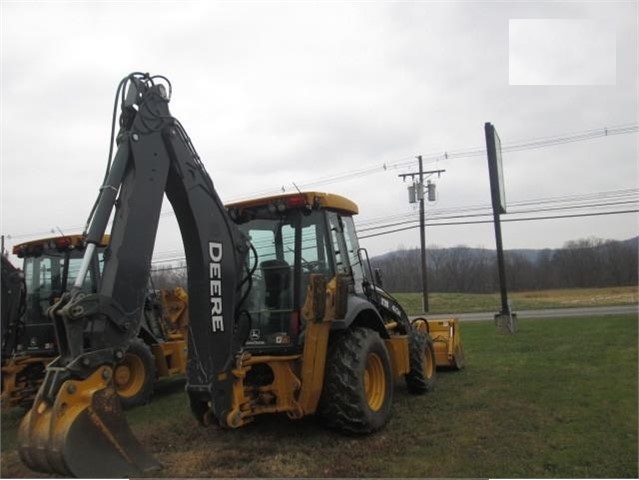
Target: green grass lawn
(558, 399)
(534, 300)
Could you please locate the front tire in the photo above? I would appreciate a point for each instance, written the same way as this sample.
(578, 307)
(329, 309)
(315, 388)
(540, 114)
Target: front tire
(421, 377)
(135, 375)
(358, 384)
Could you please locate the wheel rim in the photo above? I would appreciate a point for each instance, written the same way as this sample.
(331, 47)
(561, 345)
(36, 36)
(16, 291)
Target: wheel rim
(420, 325)
(129, 376)
(374, 382)
(429, 364)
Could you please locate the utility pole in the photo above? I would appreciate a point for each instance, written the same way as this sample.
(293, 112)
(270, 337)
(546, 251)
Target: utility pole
(418, 191)
(422, 236)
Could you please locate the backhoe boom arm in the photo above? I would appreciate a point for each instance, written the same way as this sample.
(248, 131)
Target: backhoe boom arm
(154, 157)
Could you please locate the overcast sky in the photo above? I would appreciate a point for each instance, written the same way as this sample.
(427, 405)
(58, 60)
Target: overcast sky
(276, 93)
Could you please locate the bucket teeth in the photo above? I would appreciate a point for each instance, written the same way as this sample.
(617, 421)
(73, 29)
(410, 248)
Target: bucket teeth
(83, 434)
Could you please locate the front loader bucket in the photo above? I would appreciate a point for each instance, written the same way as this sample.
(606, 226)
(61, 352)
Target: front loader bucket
(83, 434)
(446, 336)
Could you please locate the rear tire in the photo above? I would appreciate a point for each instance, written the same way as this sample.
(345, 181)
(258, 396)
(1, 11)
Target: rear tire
(135, 375)
(421, 377)
(358, 385)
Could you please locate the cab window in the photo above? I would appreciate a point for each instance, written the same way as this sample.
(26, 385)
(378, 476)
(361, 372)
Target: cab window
(337, 240)
(352, 247)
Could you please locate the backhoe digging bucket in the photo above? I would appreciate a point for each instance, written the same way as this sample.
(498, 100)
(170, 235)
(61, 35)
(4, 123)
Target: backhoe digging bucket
(83, 434)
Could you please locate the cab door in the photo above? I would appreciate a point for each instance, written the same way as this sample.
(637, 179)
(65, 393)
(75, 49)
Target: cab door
(43, 279)
(346, 248)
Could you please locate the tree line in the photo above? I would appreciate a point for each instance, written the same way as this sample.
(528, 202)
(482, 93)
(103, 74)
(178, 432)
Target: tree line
(590, 262)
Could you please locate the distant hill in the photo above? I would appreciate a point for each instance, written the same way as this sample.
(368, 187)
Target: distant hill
(534, 255)
(590, 262)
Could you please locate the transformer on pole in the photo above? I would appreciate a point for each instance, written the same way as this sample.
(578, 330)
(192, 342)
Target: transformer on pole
(416, 194)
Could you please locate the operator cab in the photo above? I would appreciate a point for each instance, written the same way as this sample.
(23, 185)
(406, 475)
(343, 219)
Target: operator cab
(50, 266)
(293, 236)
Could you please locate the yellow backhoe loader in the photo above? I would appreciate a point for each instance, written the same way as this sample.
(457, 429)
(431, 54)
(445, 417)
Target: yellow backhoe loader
(284, 314)
(28, 337)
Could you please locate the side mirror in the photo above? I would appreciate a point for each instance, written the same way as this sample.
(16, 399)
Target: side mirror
(378, 277)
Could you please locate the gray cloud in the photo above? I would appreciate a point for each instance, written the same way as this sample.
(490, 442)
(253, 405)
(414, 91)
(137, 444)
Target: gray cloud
(275, 93)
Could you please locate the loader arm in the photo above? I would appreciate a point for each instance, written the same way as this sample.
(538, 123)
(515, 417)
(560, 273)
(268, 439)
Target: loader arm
(75, 426)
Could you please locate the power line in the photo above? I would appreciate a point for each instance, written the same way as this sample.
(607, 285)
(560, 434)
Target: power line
(517, 212)
(554, 217)
(609, 198)
(529, 144)
(442, 224)
(543, 204)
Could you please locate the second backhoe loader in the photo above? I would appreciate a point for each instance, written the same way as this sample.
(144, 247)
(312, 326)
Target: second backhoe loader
(284, 317)
(50, 266)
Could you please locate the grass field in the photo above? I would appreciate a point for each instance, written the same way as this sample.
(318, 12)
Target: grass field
(534, 300)
(558, 399)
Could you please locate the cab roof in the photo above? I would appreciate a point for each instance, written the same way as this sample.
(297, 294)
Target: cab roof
(59, 243)
(328, 201)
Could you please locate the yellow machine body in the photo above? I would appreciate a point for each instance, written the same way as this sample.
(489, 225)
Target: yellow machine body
(16, 390)
(286, 316)
(446, 336)
(298, 380)
(53, 437)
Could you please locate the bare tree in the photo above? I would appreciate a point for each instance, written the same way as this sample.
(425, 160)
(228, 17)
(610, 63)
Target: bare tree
(169, 277)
